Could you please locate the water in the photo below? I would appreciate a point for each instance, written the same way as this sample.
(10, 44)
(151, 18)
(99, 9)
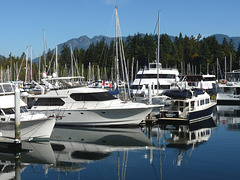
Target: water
(207, 150)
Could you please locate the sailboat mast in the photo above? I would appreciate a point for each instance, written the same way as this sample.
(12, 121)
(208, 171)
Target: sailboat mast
(44, 52)
(31, 65)
(158, 52)
(117, 69)
(26, 65)
(217, 68)
(72, 60)
(57, 60)
(39, 69)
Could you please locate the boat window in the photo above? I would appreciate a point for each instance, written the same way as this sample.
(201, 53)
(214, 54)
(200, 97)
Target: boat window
(1, 112)
(152, 66)
(228, 89)
(136, 87)
(7, 88)
(197, 103)
(102, 96)
(238, 91)
(23, 109)
(206, 101)
(9, 111)
(163, 86)
(154, 76)
(1, 89)
(202, 102)
(49, 102)
(192, 104)
(181, 103)
(193, 136)
(209, 79)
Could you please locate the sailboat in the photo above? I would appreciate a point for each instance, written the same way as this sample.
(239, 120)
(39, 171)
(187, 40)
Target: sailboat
(154, 80)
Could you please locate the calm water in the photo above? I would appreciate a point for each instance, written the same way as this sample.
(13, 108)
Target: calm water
(207, 150)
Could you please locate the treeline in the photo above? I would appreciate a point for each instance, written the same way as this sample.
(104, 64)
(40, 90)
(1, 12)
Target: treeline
(179, 52)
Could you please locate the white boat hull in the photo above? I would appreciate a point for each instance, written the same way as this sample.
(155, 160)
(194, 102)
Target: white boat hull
(29, 130)
(101, 117)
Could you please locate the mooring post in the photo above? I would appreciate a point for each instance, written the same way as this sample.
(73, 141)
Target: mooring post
(149, 94)
(17, 115)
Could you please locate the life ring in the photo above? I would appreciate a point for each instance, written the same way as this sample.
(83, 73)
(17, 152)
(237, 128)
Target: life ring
(223, 81)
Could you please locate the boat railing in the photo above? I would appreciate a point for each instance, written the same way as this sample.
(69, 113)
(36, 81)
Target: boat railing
(142, 69)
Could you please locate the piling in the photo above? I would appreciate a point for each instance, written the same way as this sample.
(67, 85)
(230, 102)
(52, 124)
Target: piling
(17, 115)
(149, 94)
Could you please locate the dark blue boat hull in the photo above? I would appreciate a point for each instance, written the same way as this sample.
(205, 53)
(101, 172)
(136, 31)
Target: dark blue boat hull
(200, 115)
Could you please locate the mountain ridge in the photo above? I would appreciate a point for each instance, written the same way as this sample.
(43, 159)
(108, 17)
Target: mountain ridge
(84, 41)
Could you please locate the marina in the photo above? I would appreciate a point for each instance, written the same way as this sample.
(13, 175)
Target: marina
(122, 106)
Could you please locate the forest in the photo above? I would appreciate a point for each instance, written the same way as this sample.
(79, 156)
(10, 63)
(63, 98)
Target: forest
(180, 52)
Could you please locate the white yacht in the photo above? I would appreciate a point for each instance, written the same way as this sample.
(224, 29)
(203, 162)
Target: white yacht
(205, 81)
(146, 77)
(229, 89)
(187, 105)
(32, 126)
(85, 106)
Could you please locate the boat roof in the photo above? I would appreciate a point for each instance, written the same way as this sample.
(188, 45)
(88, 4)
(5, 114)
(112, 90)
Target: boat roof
(8, 101)
(183, 94)
(65, 78)
(161, 71)
(63, 93)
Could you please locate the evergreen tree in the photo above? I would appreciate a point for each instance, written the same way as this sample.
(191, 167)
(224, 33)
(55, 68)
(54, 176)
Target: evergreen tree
(65, 57)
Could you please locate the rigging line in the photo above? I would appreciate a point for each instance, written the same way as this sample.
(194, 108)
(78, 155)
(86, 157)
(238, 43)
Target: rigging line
(75, 61)
(20, 67)
(123, 56)
(148, 53)
(49, 65)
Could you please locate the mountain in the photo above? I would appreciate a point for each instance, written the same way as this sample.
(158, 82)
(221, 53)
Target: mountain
(220, 37)
(84, 41)
(1, 57)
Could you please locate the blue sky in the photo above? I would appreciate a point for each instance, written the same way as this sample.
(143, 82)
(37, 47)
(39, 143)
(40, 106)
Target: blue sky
(22, 22)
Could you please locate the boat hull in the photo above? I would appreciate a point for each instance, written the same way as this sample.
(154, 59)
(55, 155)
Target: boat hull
(37, 130)
(101, 117)
(194, 116)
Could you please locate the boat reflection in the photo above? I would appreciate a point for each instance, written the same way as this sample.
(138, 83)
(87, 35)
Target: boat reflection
(184, 137)
(229, 115)
(13, 163)
(75, 147)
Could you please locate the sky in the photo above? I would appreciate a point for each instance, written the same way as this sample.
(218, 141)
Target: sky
(22, 23)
